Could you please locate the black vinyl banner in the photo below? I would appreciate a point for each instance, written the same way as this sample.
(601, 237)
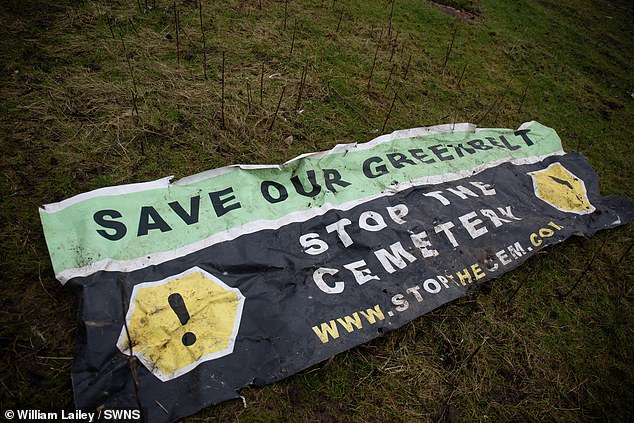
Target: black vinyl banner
(190, 331)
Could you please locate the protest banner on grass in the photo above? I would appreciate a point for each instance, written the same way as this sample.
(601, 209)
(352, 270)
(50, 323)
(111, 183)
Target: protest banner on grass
(248, 274)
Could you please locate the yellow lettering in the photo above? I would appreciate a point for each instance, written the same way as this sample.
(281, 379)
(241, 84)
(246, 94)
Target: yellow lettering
(464, 276)
(347, 322)
(535, 241)
(326, 329)
(371, 313)
(559, 228)
(477, 271)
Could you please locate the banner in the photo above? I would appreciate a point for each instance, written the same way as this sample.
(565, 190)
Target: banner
(244, 275)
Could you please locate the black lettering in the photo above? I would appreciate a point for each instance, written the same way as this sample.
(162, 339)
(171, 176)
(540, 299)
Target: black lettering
(417, 153)
(495, 142)
(147, 213)
(439, 151)
(508, 144)
(479, 145)
(332, 177)
(220, 204)
(461, 147)
(522, 133)
(119, 228)
(194, 210)
(398, 160)
(281, 190)
(316, 188)
(367, 169)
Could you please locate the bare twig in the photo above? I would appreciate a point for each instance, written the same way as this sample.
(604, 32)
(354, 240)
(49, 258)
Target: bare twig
(293, 40)
(134, 86)
(625, 253)
(223, 90)
(376, 52)
(261, 83)
(389, 111)
(285, 13)
(389, 26)
(278, 108)
(133, 27)
(494, 103)
(394, 45)
(176, 26)
(301, 87)
(453, 38)
(528, 82)
(461, 76)
(347, 104)
(389, 78)
(202, 30)
(407, 68)
(110, 21)
(588, 266)
(340, 17)
(248, 97)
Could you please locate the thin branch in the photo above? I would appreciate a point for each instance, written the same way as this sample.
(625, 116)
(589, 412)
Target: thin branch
(223, 89)
(301, 87)
(202, 30)
(453, 38)
(176, 26)
(588, 266)
(261, 83)
(376, 52)
(389, 111)
(278, 108)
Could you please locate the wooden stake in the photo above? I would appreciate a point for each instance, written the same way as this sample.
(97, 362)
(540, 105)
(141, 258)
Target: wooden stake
(261, 83)
(293, 40)
(389, 26)
(453, 38)
(178, 48)
(376, 52)
(407, 68)
(594, 256)
(223, 90)
(301, 87)
(202, 30)
(389, 78)
(248, 97)
(133, 27)
(278, 108)
(285, 13)
(340, 17)
(389, 111)
(125, 53)
(394, 44)
(461, 75)
(110, 19)
(134, 88)
(494, 103)
(528, 82)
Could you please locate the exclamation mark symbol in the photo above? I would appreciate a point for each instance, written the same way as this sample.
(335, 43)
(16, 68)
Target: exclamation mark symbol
(178, 305)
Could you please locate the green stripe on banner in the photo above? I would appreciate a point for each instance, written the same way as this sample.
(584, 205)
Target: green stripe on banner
(134, 222)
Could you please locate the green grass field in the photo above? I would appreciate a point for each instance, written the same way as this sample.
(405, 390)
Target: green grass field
(101, 93)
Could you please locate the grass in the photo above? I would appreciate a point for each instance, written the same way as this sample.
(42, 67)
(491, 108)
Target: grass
(509, 351)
